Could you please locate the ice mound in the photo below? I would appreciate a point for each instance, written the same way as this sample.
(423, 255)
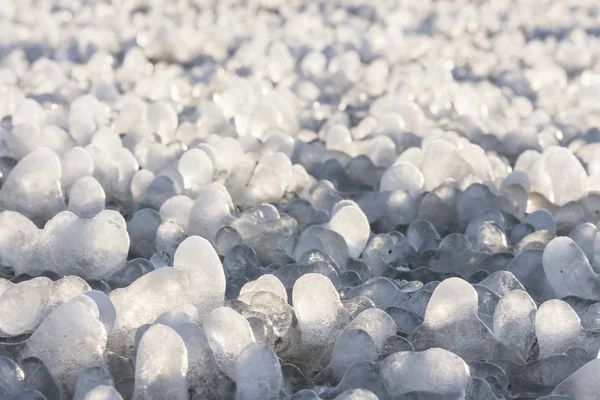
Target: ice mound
(196, 278)
(299, 200)
(92, 248)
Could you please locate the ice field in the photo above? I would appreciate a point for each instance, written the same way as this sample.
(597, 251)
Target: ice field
(299, 200)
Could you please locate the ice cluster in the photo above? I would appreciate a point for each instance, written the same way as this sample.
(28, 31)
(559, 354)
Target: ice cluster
(299, 200)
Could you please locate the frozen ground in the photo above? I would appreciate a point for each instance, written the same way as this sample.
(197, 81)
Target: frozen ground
(287, 199)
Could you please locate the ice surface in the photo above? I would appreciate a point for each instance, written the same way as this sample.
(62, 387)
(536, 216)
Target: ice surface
(33, 187)
(71, 339)
(228, 334)
(319, 325)
(569, 271)
(258, 374)
(299, 196)
(406, 372)
(23, 306)
(348, 220)
(197, 278)
(161, 365)
(451, 322)
(514, 321)
(86, 197)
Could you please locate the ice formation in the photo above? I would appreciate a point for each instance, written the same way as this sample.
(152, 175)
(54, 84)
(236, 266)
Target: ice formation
(269, 199)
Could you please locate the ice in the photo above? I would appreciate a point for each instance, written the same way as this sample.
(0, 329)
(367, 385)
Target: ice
(357, 394)
(93, 248)
(569, 271)
(407, 372)
(514, 321)
(196, 168)
(196, 278)
(29, 394)
(212, 210)
(381, 291)
(177, 209)
(348, 220)
(557, 327)
(33, 187)
(86, 197)
(70, 340)
(502, 282)
(11, 378)
(161, 365)
(319, 325)
(90, 379)
(451, 321)
(352, 346)
(258, 374)
(422, 235)
(541, 220)
(580, 385)
(38, 377)
(265, 283)
(304, 193)
(23, 306)
(142, 232)
(563, 174)
(584, 236)
(442, 161)
(228, 334)
(106, 310)
(103, 392)
(376, 323)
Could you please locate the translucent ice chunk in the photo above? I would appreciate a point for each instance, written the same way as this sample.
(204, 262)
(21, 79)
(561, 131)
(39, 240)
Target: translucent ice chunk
(24, 306)
(86, 197)
(402, 176)
(197, 278)
(451, 322)
(11, 378)
(584, 235)
(557, 327)
(106, 310)
(265, 283)
(352, 346)
(196, 168)
(38, 377)
(33, 187)
(348, 220)
(228, 334)
(103, 392)
(528, 268)
(177, 209)
(161, 365)
(319, 325)
(566, 174)
(514, 321)
(377, 323)
(442, 161)
(258, 374)
(569, 271)
(142, 232)
(89, 379)
(541, 220)
(357, 394)
(70, 340)
(436, 371)
(93, 248)
(582, 384)
(212, 210)
(502, 282)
